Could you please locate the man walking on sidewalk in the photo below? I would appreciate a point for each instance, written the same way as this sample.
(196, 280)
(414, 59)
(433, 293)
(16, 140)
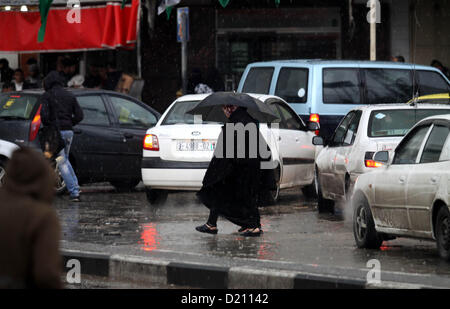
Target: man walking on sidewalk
(60, 109)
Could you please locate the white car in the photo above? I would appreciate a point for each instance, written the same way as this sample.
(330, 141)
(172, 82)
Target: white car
(362, 132)
(409, 195)
(177, 151)
(6, 150)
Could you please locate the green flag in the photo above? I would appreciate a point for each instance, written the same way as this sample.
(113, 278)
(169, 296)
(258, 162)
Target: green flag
(123, 4)
(44, 7)
(277, 2)
(224, 3)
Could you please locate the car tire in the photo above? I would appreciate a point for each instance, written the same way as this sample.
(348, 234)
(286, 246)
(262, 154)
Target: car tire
(310, 191)
(364, 230)
(443, 233)
(156, 197)
(2, 171)
(124, 185)
(323, 205)
(271, 197)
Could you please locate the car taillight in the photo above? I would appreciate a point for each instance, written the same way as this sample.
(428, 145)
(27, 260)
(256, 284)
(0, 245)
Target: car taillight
(372, 163)
(35, 125)
(151, 142)
(314, 118)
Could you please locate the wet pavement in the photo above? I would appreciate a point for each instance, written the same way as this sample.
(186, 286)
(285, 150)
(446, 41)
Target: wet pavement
(294, 233)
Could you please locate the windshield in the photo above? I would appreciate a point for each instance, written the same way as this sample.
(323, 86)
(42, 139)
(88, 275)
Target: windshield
(386, 123)
(16, 106)
(178, 114)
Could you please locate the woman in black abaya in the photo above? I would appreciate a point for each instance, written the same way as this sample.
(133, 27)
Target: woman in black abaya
(231, 185)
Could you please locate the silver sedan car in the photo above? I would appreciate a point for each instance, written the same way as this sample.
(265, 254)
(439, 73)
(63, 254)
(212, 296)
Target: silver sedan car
(410, 195)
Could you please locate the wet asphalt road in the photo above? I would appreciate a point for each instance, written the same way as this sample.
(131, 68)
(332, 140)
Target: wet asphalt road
(293, 232)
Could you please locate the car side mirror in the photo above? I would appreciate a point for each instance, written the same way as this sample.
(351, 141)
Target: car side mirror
(313, 126)
(381, 156)
(318, 141)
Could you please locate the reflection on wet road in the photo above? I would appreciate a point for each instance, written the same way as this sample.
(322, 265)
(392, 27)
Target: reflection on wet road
(293, 232)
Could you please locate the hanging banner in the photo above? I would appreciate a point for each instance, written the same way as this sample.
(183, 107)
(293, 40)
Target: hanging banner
(97, 27)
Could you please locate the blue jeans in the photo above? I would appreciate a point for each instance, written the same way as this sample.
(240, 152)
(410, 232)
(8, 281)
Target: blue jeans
(65, 168)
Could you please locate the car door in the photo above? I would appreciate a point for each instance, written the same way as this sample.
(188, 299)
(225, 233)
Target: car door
(328, 179)
(95, 140)
(389, 205)
(342, 156)
(133, 121)
(299, 151)
(424, 179)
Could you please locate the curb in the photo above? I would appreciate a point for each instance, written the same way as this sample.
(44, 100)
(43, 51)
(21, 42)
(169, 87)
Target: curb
(148, 270)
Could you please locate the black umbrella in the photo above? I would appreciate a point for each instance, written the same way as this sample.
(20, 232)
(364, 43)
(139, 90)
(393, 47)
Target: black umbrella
(211, 107)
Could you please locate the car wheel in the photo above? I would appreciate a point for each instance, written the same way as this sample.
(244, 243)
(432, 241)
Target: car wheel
(2, 171)
(443, 233)
(60, 185)
(124, 185)
(310, 191)
(271, 197)
(156, 197)
(323, 205)
(364, 227)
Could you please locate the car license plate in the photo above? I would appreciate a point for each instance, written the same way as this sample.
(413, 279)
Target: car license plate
(196, 145)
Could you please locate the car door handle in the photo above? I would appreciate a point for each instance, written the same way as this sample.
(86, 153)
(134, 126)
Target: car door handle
(434, 179)
(77, 131)
(128, 135)
(296, 139)
(402, 179)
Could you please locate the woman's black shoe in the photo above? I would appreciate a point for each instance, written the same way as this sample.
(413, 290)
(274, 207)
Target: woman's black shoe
(206, 229)
(251, 233)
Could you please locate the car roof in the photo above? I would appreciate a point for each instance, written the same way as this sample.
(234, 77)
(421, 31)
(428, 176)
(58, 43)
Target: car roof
(199, 97)
(445, 117)
(401, 106)
(342, 62)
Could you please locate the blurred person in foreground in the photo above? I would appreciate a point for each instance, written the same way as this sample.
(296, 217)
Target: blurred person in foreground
(29, 226)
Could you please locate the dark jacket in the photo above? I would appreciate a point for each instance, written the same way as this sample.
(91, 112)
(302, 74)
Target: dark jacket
(232, 185)
(29, 226)
(59, 107)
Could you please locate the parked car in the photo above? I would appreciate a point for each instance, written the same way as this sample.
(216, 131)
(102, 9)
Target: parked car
(410, 195)
(177, 150)
(6, 150)
(326, 90)
(107, 144)
(362, 132)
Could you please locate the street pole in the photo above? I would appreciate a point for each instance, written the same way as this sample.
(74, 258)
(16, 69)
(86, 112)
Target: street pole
(184, 65)
(373, 30)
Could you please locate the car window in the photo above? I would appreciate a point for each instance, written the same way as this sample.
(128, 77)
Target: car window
(178, 113)
(352, 130)
(388, 85)
(407, 151)
(258, 80)
(290, 81)
(397, 122)
(17, 105)
(341, 86)
(339, 134)
(435, 144)
(94, 111)
(130, 114)
(431, 83)
(445, 154)
(290, 119)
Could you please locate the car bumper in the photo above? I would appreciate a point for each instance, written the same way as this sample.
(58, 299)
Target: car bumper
(173, 175)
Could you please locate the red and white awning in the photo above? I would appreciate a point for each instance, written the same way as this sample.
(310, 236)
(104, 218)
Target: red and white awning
(100, 27)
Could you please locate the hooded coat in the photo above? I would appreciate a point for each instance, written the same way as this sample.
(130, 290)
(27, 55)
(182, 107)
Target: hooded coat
(231, 186)
(60, 108)
(29, 226)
